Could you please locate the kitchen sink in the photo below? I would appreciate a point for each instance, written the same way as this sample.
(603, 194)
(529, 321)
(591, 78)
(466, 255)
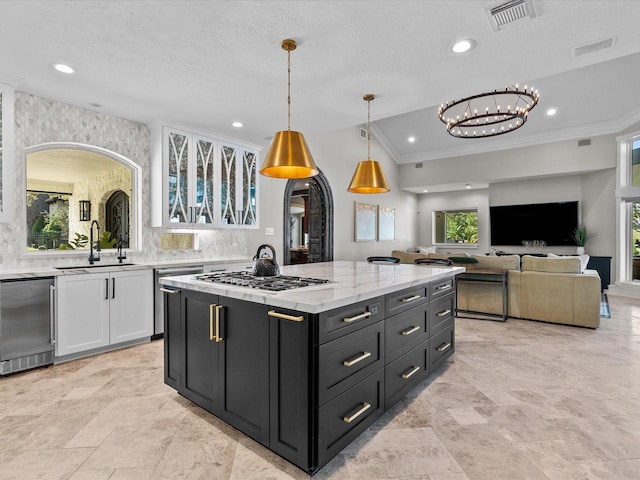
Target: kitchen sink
(104, 265)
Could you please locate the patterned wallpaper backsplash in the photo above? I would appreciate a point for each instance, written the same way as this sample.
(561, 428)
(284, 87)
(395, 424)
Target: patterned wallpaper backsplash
(39, 120)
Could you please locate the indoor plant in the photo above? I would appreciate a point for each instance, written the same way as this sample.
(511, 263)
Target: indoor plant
(581, 235)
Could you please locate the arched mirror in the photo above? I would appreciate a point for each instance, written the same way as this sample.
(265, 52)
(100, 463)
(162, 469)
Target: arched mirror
(68, 186)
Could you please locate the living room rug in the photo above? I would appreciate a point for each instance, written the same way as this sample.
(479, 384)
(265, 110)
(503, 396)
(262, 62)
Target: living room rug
(604, 307)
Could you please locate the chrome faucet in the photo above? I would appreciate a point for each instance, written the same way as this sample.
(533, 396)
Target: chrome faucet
(96, 257)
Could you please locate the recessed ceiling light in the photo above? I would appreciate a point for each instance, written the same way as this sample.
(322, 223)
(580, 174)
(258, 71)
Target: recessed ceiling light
(425, 191)
(411, 139)
(64, 68)
(551, 112)
(237, 124)
(462, 46)
(467, 186)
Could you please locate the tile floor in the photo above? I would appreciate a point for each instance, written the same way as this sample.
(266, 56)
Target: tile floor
(518, 400)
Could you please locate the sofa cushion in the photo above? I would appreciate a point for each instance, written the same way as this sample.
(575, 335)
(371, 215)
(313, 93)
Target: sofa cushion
(407, 257)
(431, 249)
(551, 265)
(506, 262)
(584, 260)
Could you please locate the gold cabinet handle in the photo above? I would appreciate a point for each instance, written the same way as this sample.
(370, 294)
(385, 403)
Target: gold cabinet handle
(348, 363)
(284, 316)
(365, 406)
(408, 374)
(444, 346)
(218, 337)
(410, 299)
(357, 317)
(172, 292)
(443, 287)
(443, 313)
(212, 308)
(214, 319)
(411, 330)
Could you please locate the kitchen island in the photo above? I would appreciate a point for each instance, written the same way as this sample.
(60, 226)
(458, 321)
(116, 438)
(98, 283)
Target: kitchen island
(305, 371)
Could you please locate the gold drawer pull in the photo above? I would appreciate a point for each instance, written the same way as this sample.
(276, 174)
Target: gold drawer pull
(365, 406)
(411, 372)
(348, 363)
(443, 313)
(357, 317)
(284, 316)
(172, 292)
(214, 333)
(411, 330)
(410, 299)
(443, 287)
(444, 346)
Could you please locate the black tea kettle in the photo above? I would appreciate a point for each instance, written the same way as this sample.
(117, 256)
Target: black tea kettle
(265, 265)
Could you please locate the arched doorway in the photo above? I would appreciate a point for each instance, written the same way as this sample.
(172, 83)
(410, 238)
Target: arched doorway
(317, 220)
(117, 216)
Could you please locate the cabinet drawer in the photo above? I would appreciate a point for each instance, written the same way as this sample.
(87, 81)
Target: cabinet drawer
(341, 420)
(406, 330)
(405, 373)
(343, 320)
(348, 360)
(441, 313)
(441, 347)
(441, 287)
(405, 299)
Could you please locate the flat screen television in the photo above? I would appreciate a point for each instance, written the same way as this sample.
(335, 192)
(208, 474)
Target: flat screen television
(553, 223)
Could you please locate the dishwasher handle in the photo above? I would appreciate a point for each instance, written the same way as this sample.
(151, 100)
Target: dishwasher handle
(165, 272)
(52, 313)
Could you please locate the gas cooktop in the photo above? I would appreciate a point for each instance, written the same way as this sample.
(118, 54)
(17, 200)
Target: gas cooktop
(272, 284)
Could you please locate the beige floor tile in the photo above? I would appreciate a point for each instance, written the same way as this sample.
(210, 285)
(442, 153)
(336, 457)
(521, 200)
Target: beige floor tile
(54, 464)
(466, 416)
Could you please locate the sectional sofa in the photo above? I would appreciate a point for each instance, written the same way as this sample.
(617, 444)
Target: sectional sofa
(555, 290)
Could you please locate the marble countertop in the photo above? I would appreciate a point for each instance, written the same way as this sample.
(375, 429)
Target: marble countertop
(351, 282)
(34, 272)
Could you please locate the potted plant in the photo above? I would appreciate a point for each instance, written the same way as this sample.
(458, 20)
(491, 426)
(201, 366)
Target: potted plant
(581, 235)
(467, 262)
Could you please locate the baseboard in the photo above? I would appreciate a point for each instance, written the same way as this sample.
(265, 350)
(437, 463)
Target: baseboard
(625, 290)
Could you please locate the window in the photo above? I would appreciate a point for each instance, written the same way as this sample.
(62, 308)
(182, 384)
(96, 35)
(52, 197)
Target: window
(455, 227)
(628, 211)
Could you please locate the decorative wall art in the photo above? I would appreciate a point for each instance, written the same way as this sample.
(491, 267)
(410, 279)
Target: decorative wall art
(386, 223)
(365, 227)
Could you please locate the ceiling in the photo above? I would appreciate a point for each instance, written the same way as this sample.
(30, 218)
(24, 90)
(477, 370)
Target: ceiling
(67, 166)
(209, 63)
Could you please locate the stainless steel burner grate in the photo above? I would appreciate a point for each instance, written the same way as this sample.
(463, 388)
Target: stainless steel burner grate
(273, 284)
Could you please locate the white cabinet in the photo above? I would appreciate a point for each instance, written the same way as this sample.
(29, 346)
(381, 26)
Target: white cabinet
(100, 309)
(201, 181)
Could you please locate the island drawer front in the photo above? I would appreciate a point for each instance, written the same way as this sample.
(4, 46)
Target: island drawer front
(348, 360)
(402, 300)
(406, 330)
(347, 319)
(405, 373)
(441, 313)
(441, 347)
(441, 287)
(344, 418)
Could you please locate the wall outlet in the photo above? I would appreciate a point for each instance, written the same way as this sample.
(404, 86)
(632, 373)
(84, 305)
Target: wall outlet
(268, 231)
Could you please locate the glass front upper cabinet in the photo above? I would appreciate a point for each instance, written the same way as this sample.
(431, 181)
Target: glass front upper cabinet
(6, 151)
(210, 183)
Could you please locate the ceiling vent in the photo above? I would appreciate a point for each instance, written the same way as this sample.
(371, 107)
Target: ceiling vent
(363, 133)
(419, 165)
(584, 143)
(509, 12)
(593, 46)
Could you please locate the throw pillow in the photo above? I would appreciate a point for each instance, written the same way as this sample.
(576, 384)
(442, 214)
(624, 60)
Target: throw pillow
(431, 249)
(584, 260)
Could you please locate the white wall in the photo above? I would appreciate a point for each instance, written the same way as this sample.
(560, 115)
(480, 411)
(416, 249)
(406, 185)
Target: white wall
(337, 155)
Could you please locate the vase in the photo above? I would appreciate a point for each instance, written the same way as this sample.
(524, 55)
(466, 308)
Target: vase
(580, 250)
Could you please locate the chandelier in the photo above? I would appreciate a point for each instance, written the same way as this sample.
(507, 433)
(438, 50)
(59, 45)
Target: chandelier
(489, 114)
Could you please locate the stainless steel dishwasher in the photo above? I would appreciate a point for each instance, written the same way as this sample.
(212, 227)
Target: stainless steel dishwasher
(26, 324)
(158, 310)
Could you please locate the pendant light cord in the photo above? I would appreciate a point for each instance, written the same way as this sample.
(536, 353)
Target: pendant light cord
(288, 89)
(368, 129)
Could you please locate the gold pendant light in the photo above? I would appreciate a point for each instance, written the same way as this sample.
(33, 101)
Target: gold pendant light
(368, 177)
(288, 155)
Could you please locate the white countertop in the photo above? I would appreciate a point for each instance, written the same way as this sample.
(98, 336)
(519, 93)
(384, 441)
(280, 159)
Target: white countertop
(352, 282)
(111, 266)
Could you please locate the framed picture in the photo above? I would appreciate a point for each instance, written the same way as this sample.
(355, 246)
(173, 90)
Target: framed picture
(386, 223)
(366, 218)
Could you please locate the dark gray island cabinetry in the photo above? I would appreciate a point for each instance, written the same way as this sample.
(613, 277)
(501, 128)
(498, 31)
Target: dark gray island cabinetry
(307, 371)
